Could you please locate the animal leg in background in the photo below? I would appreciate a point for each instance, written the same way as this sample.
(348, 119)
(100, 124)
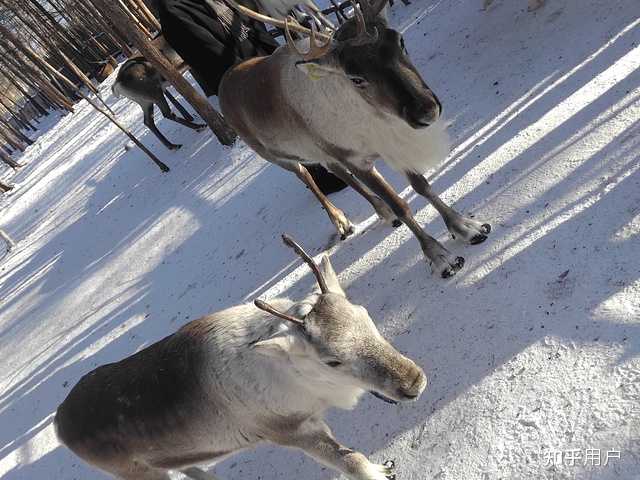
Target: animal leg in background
(151, 125)
(381, 208)
(183, 111)
(459, 226)
(441, 260)
(169, 115)
(337, 216)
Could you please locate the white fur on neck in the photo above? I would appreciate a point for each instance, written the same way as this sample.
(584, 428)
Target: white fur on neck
(335, 112)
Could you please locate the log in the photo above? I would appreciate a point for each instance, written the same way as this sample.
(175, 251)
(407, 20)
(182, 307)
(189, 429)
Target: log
(214, 120)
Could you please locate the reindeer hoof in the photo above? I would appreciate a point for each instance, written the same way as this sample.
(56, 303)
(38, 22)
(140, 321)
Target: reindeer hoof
(390, 466)
(347, 233)
(200, 127)
(481, 237)
(447, 266)
(468, 230)
(175, 147)
(396, 223)
(453, 268)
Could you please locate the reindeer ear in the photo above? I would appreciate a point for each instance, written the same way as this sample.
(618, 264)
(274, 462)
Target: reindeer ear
(274, 347)
(282, 345)
(330, 276)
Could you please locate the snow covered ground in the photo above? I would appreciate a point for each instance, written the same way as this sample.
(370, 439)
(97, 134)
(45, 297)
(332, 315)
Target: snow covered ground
(532, 350)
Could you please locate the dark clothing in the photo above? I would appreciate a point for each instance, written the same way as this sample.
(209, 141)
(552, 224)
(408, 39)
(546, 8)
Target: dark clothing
(326, 181)
(212, 40)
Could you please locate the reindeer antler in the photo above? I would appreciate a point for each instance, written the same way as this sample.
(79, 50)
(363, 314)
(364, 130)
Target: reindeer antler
(316, 50)
(269, 309)
(371, 9)
(290, 242)
(269, 20)
(362, 36)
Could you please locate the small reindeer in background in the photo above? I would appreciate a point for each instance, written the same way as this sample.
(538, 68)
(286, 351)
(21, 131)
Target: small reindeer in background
(237, 378)
(138, 80)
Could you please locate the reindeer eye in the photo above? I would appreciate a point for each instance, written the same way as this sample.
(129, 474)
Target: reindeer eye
(358, 81)
(334, 363)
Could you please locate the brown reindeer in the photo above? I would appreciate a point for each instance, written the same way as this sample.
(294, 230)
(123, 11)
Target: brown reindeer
(139, 81)
(345, 104)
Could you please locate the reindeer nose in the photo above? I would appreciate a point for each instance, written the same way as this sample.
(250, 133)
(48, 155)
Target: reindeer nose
(423, 114)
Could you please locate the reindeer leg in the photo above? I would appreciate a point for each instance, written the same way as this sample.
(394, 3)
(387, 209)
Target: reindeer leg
(183, 111)
(151, 125)
(381, 208)
(441, 260)
(337, 216)
(314, 437)
(169, 115)
(459, 226)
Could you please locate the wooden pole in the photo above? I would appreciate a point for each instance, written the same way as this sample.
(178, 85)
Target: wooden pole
(34, 57)
(113, 120)
(26, 72)
(16, 113)
(83, 78)
(11, 140)
(5, 148)
(34, 101)
(87, 10)
(148, 14)
(131, 17)
(223, 132)
(15, 132)
(9, 161)
(162, 166)
(31, 55)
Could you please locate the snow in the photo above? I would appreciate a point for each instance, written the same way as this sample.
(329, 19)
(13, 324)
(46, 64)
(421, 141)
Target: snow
(531, 350)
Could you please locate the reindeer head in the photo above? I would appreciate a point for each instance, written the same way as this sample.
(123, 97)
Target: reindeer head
(373, 59)
(335, 343)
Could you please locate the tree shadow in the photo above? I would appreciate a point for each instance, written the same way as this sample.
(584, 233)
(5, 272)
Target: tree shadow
(166, 249)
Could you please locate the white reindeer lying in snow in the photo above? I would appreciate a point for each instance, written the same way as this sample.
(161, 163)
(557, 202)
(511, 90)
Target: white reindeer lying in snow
(237, 378)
